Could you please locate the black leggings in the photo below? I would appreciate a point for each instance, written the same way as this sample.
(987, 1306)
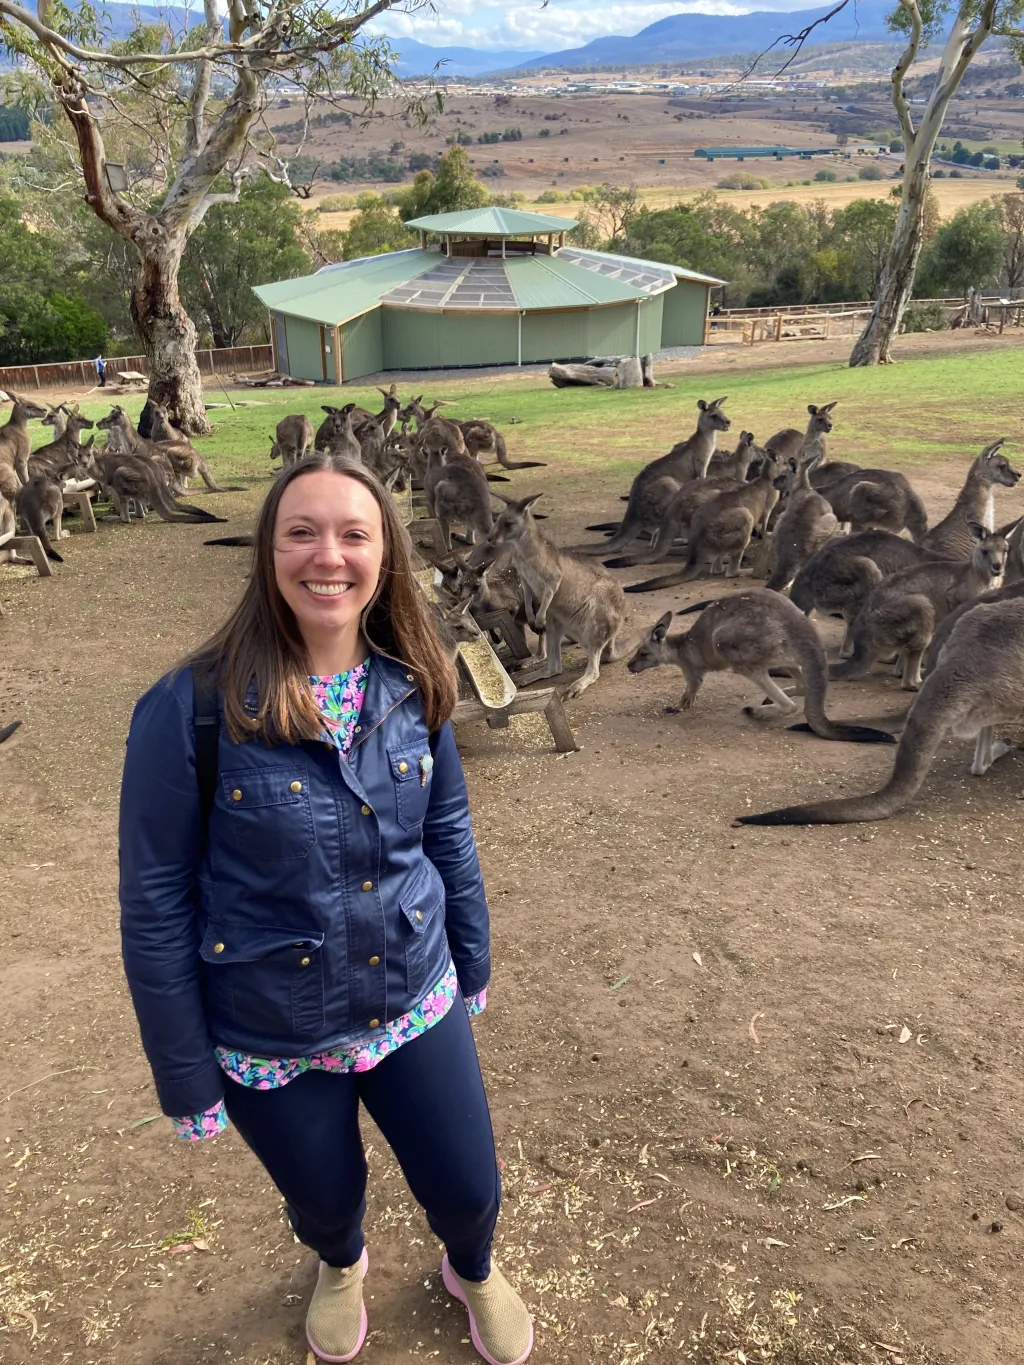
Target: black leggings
(428, 1100)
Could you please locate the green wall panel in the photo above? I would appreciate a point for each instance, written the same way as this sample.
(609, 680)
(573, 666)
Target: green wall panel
(362, 345)
(651, 325)
(304, 357)
(683, 315)
(555, 336)
(416, 340)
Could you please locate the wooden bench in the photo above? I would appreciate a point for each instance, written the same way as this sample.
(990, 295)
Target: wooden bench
(31, 546)
(83, 500)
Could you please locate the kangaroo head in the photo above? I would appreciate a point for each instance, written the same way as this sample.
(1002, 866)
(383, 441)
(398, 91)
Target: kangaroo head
(652, 651)
(710, 416)
(989, 551)
(50, 417)
(77, 422)
(996, 467)
(821, 418)
(514, 521)
(23, 409)
(113, 418)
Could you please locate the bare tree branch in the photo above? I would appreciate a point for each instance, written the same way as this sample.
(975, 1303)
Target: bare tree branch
(899, 99)
(793, 40)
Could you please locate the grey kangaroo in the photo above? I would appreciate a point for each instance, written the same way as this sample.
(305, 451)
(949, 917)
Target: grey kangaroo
(750, 633)
(877, 498)
(292, 440)
(653, 488)
(484, 438)
(790, 444)
(952, 538)
(63, 451)
(336, 433)
(730, 475)
(721, 529)
(838, 578)
(188, 462)
(565, 597)
(39, 501)
(133, 478)
(15, 441)
(457, 490)
(806, 524)
(902, 612)
(976, 684)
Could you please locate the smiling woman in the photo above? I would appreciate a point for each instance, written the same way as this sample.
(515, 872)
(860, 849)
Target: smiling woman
(303, 917)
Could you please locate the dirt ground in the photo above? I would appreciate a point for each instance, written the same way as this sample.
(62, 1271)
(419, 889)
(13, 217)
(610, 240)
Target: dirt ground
(715, 1145)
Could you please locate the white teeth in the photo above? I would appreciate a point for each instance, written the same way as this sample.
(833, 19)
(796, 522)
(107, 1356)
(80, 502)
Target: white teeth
(328, 589)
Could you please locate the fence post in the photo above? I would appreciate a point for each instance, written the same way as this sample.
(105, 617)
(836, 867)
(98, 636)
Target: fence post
(778, 328)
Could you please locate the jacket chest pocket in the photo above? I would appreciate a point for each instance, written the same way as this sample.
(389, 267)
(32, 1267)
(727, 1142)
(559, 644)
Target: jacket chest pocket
(268, 812)
(411, 769)
(268, 981)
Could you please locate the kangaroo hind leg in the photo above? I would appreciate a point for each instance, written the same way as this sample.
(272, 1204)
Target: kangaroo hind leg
(780, 704)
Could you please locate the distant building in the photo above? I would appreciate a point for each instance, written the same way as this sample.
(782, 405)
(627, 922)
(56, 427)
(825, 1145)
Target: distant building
(486, 286)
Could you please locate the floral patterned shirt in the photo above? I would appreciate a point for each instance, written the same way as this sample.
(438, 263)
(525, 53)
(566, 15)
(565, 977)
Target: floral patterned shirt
(340, 699)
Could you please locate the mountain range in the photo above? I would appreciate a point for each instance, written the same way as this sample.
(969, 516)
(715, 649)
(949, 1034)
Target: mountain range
(680, 37)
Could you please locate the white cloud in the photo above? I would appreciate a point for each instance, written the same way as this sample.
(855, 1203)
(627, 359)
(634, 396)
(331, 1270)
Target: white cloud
(523, 24)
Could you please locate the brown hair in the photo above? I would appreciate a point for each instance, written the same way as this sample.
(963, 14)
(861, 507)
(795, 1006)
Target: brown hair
(261, 639)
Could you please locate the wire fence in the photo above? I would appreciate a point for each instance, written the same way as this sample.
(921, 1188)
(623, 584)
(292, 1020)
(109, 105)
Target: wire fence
(73, 373)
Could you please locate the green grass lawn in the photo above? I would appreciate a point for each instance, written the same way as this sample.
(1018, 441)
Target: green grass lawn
(913, 413)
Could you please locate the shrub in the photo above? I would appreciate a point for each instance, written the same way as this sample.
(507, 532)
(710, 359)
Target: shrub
(551, 197)
(924, 317)
(544, 132)
(939, 174)
(825, 176)
(896, 145)
(871, 172)
(743, 180)
(991, 163)
(336, 203)
(958, 175)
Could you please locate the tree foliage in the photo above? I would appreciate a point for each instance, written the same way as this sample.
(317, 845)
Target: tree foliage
(453, 187)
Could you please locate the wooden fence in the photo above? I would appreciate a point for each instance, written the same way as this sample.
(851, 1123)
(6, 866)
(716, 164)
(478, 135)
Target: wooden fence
(82, 373)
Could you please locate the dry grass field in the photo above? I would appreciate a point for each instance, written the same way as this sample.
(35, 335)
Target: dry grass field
(715, 1146)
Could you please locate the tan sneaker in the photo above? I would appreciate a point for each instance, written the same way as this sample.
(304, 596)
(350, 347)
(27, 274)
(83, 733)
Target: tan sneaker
(336, 1320)
(499, 1322)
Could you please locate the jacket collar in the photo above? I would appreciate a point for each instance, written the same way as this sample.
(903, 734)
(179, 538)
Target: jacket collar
(388, 685)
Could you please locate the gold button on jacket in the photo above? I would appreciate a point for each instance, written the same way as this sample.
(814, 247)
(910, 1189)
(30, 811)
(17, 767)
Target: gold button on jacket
(304, 962)
(236, 795)
(364, 810)
(375, 1023)
(403, 767)
(374, 961)
(367, 886)
(218, 947)
(295, 787)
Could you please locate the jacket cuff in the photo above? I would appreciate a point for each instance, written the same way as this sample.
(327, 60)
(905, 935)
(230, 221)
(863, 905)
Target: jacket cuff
(474, 975)
(193, 1094)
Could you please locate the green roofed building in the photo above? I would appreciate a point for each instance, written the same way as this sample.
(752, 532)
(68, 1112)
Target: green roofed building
(487, 286)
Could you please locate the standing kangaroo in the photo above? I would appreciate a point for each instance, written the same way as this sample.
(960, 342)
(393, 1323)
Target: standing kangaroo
(902, 612)
(977, 684)
(952, 537)
(457, 490)
(730, 475)
(566, 597)
(336, 433)
(39, 501)
(751, 633)
(806, 524)
(292, 440)
(721, 529)
(435, 433)
(653, 488)
(15, 442)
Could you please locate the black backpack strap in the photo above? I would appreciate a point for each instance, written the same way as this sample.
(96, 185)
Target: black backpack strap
(206, 720)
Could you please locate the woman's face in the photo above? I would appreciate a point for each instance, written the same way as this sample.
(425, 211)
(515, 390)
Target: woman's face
(328, 548)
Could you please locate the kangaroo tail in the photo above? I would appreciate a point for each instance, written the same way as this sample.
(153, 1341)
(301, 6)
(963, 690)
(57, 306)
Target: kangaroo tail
(506, 463)
(231, 540)
(214, 486)
(815, 670)
(604, 526)
(667, 580)
(697, 606)
(916, 518)
(496, 478)
(933, 712)
(7, 730)
(171, 510)
(38, 528)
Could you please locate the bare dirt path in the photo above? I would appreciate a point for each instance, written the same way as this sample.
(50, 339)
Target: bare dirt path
(712, 1136)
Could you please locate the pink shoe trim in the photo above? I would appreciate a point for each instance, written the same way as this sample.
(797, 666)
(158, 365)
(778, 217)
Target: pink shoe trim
(364, 1261)
(454, 1288)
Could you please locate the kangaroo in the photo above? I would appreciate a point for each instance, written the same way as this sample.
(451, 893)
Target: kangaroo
(730, 475)
(722, 528)
(877, 498)
(483, 437)
(977, 684)
(902, 612)
(490, 585)
(56, 418)
(133, 477)
(806, 523)
(64, 449)
(565, 596)
(292, 440)
(952, 537)
(790, 444)
(750, 633)
(39, 501)
(435, 433)
(457, 491)
(336, 434)
(653, 488)
(838, 578)
(387, 417)
(188, 462)
(15, 442)
(378, 455)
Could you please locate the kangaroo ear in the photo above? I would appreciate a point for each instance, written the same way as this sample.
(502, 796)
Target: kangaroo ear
(718, 402)
(661, 628)
(977, 530)
(1008, 530)
(702, 405)
(527, 503)
(813, 410)
(829, 406)
(992, 450)
(747, 437)
(330, 411)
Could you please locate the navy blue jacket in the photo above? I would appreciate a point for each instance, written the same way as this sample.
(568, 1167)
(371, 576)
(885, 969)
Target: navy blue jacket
(330, 896)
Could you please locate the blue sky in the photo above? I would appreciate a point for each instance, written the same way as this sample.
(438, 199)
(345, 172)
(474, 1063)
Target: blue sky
(524, 25)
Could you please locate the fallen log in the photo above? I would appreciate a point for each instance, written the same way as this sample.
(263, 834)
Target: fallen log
(623, 372)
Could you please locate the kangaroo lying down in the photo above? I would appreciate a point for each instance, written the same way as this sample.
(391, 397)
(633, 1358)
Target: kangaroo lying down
(750, 633)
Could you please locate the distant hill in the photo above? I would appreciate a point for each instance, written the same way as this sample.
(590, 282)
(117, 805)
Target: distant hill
(418, 59)
(682, 37)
